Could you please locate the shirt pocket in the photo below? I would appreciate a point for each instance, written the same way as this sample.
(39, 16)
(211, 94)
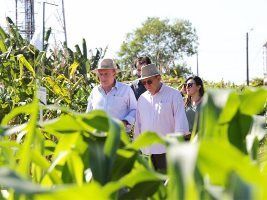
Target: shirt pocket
(98, 102)
(164, 108)
(119, 106)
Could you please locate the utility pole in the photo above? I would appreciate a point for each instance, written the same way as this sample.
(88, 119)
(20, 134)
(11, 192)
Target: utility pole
(43, 25)
(64, 22)
(247, 59)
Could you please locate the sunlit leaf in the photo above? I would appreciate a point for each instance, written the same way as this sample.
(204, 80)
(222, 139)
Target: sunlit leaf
(259, 99)
(146, 139)
(230, 108)
(76, 168)
(181, 164)
(224, 158)
(24, 62)
(63, 124)
(73, 68)
(10, 179)
(88, 191)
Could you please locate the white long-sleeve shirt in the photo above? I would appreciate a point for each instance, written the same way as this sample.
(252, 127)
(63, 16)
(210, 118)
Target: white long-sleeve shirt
(162, 113)
(119, 102)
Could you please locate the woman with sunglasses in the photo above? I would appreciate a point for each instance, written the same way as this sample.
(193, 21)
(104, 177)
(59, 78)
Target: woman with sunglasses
(195, 91)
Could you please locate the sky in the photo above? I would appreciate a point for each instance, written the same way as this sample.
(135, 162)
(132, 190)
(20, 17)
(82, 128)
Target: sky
(221, 26)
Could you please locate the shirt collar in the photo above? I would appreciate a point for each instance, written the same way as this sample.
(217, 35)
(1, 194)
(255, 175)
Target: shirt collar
(160, 90)
(116, 86)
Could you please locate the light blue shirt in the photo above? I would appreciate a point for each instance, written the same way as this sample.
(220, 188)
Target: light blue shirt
(119, 102)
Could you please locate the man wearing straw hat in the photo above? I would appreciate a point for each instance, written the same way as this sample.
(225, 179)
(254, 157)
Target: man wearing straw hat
(114, 97)
(159, 109)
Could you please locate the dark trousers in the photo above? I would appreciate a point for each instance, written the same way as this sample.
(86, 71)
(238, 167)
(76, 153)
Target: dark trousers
(159, 162)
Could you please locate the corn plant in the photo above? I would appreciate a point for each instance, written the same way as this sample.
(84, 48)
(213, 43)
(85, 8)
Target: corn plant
(90, 156)
(66, 74)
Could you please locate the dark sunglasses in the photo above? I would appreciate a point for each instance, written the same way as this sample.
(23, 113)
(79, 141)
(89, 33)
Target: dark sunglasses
(149, 82)
(189, 85)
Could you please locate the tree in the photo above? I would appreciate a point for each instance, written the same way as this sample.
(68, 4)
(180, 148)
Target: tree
(165, 41)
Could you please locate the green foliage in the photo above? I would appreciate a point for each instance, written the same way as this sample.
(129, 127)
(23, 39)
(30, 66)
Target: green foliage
(83, 142)
(66, 74)
(164, 41)
(90, 155)
(256, 82)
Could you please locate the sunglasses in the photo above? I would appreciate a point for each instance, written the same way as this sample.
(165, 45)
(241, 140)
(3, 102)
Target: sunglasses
(149, 82)
(189, 85)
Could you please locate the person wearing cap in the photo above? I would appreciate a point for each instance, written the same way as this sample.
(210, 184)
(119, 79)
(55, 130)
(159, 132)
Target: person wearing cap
(114, 97)
(137, 87)
(160, 109)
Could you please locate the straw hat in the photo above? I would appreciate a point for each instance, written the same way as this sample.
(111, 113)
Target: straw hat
(107, 63)
(149, 71)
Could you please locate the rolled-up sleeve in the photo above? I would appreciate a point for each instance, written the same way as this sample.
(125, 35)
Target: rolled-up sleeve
(132, 105)
(137, 126)
(89, 104)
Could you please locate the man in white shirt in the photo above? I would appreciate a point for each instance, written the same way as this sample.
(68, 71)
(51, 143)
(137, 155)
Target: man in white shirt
(159, 109)
(114, 97)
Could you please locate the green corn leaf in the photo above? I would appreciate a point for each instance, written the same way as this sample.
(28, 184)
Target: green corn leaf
(3, 48)
(211, 108)
(8, 153)
(43, 163)
(27, 109)
(181, 159)
(259, 99)
(124, 163)
(230, 159)
(24, 163)
(24, 62)
(135, 177)
(146, 139)
(76, 167)
(230, 109)
(10, 179)
(96, 119)
(238, 129)
(113, 138)
(73, 68)
(67, 143)
(64, 124)
(3, 35)
(88, 191)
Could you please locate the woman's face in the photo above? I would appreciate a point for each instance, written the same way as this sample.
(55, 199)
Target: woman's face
(192, 88)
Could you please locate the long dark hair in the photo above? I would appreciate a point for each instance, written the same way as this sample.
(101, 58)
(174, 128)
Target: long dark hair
(143, 60)
(198, 82)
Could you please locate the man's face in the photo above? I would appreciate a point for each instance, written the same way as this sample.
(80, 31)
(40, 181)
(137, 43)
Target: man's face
(106, 77)
(152, 84)
(139, 66)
